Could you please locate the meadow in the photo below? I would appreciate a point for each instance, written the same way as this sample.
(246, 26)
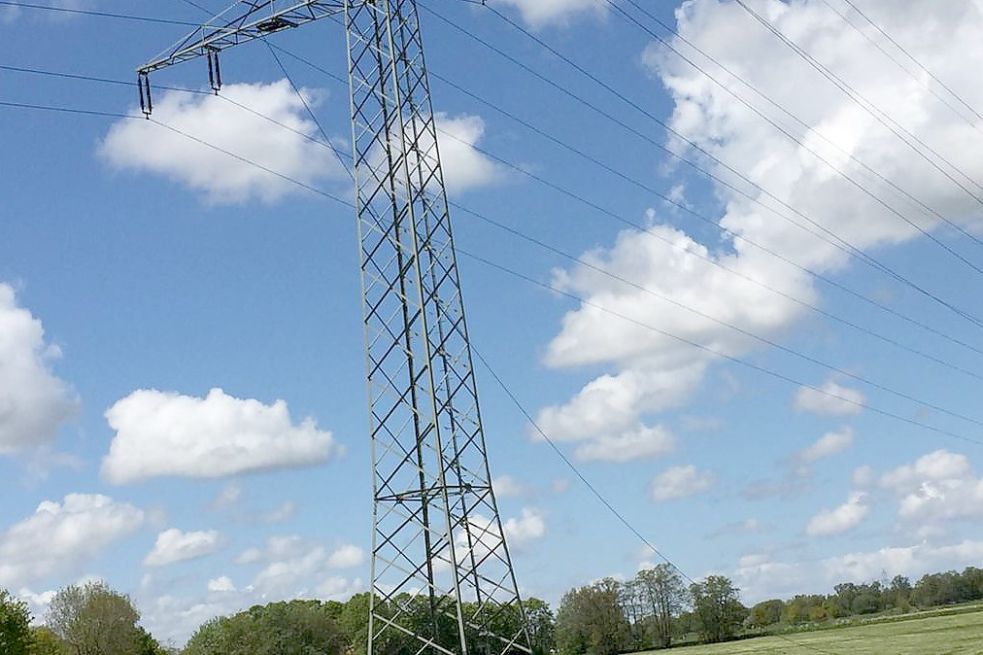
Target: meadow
(946, 634)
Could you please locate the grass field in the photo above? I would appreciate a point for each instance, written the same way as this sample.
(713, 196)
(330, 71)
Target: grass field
(959, 634)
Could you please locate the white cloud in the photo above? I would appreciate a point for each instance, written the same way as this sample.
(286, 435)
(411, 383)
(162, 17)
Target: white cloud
(831, 399)
(280, 514)
(936, 488)
(145, 147)
(841, 519)
(221, 585)
(527, 527)
(641, 443)
(723, 126)
(175, 546)
(302, 568)
(37, 602)
(464, 167)
(161, 434)
(539, 13)
(61, 537)
(937, 466)
(760, 577)
(346, 557)
(680, 482)
(229, 496)
(920, 558)
(33, 402)
(506, 486)
(831, 443)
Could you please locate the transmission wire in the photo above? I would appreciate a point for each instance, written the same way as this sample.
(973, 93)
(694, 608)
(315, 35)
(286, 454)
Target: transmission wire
(841, 245)
(930, 210)
(708, 349)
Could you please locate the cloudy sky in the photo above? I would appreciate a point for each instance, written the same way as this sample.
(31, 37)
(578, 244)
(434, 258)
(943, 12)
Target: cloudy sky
(751, 319)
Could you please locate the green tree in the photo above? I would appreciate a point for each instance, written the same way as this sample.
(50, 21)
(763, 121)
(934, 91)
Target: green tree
(663, 592)
(718, 609)
(767, 613)
(898, 595)
(590, 620)
(95, 620)
(973, 581)
(541, 624)
(46, 642)
(288, 628)
(15, 625)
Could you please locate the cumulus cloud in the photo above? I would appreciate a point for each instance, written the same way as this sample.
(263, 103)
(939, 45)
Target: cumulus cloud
(680, 482)
(290, 567)
(506, 486)
(464, 167)
(221, 585)
(938, 487)
(760, 576)
(346, 557)
(528, 526)
(62, 536)
(831, 443)
(831, 399)
(724, 126)
(175, 546)
(635, 444)
(143, 146)
(168, 434)
(33, 402)
(485, 537)
(303, 568)
(841, 519)
(539, 13)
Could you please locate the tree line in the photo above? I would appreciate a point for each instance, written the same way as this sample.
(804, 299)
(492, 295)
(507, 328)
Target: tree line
(653, 610)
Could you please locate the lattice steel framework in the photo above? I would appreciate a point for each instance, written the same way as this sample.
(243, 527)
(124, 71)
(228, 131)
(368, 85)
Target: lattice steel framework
(442, 576)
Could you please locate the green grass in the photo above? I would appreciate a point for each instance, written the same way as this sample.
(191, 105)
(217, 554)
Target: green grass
(949, 634)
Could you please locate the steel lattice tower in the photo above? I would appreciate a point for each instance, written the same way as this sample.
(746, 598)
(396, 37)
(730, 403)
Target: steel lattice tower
(442, 576)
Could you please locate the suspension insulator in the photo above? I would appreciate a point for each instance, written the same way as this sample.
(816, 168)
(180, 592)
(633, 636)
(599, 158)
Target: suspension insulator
(146, 100)
(214, 70)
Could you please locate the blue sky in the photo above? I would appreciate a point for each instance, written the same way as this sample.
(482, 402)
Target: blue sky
(139, 271)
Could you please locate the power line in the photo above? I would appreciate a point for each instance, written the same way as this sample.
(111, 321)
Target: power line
(731, 326)
(912, 58)
(843, 245)
(883, 51)
(805, 146)
(601, 497)
(684, 340)
(526, 172)
(310, 112)
(100, 14)
(701, 217)
(838, 242)
(710, 260)
(878, 114)
(713, 352)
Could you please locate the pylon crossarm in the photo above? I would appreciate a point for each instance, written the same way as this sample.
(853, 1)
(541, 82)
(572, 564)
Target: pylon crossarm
(243, 22)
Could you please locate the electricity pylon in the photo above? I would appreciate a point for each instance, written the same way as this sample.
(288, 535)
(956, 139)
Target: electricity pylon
(442, 576)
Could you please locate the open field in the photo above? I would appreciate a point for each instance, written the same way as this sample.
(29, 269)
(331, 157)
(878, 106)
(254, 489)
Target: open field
(957, 634)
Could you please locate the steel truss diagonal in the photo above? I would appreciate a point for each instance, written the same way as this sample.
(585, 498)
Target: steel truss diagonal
(442, 576)
(438, 546)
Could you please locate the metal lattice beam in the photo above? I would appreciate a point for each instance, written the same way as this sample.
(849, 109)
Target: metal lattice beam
(442, 576)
